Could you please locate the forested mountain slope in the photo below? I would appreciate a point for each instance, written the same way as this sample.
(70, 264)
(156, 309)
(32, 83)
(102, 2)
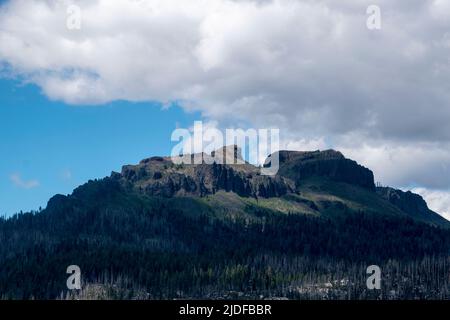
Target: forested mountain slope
(160, 230)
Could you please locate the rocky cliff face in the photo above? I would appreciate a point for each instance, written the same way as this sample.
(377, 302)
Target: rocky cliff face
(330, 163)
(410, 203)
(406, 201)
(160, 176)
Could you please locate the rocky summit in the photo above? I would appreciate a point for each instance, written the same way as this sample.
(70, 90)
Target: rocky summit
(160, 176)
(201, 176)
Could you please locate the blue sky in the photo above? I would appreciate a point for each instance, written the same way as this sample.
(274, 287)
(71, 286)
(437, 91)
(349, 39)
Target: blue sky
(49, 147)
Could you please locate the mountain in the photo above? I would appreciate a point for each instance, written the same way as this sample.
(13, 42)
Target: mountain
(319, 179)
(164, 230)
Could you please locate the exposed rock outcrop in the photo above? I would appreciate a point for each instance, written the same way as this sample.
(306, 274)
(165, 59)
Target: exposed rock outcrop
(410, 203)
(160, 176)
(407, 201)
(330, 163)
(164, 178)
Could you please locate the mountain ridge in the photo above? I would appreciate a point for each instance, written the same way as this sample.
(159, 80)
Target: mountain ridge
(160, 176)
